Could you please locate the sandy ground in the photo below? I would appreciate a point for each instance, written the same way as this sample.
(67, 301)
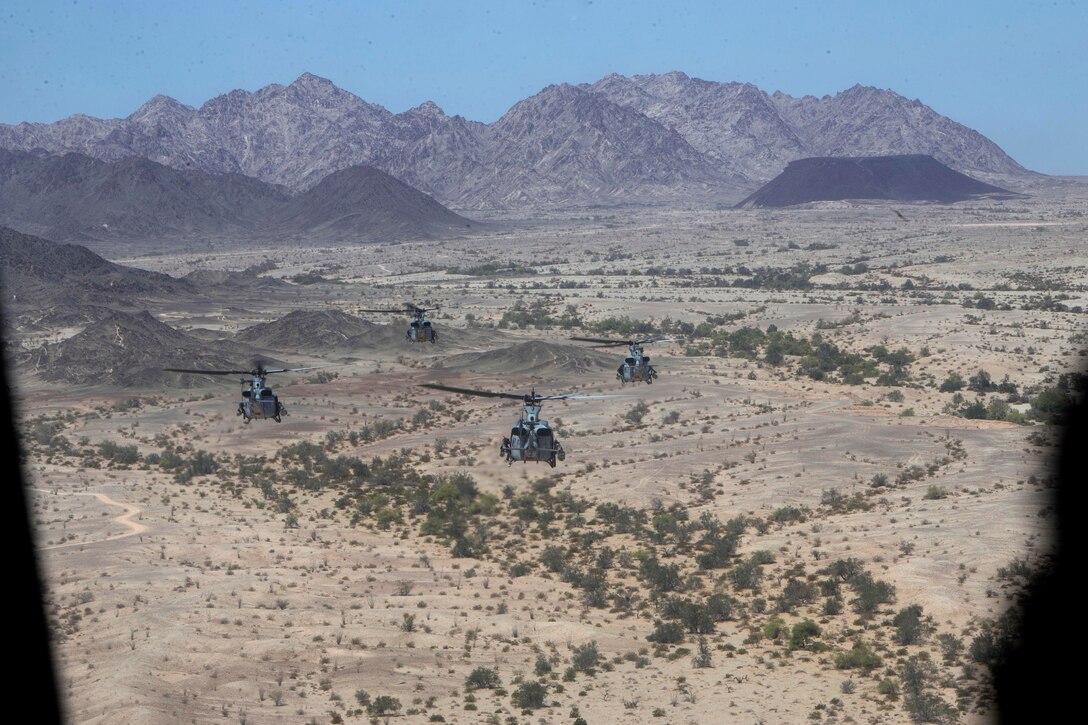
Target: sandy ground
(192, 602)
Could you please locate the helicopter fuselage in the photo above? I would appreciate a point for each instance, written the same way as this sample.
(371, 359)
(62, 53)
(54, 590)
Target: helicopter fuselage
(532, 439)
(258, 401)
(636, 368)
(421, 331)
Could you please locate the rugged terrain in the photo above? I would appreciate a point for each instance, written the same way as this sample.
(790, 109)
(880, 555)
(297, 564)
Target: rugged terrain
(644, 139)
(819, 511)
(140, 203)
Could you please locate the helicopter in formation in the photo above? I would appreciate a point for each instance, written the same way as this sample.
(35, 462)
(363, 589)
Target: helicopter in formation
(258, 400)
(636, 367)
(531, 438)
(420, 329)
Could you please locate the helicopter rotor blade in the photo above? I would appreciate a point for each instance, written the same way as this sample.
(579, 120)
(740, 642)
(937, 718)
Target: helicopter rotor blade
(207, 372)
(603, 341)
(471, 391)
(258, 371)
(393, 312)
(298, 370)
(576, 396)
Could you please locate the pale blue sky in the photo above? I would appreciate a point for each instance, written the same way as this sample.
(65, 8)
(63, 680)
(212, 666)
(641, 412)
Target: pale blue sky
(1015, 71)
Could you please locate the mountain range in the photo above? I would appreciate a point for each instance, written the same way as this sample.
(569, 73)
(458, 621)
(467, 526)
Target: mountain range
(641, 139)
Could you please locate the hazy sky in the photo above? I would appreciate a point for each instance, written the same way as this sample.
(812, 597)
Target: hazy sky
(1016, 71)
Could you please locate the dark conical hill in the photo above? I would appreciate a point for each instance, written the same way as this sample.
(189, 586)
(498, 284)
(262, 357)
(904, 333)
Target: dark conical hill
(913, 177)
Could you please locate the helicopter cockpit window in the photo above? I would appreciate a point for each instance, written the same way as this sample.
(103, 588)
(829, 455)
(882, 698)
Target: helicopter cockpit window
(629, 360)
(266, 392)
(427, 323)
(245, 393)
(415, 323)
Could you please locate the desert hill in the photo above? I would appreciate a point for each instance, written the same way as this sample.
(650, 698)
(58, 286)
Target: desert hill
(308, 330)
(365, 204)
(74, 197)
(39, 272)
(245, 279)
(130, 351)
(78, 198)
(893, 178)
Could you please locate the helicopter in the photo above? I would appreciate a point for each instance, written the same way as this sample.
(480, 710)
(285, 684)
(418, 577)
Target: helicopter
(531, 438)
(420, 329)
(258, 400)
(636, 366)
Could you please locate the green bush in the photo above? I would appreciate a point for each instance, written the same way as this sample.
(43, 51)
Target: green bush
(530, 695)
(803, 633)
(383, 705)
(909, 628)
(860, 657)
(482, 678)
(667, 633)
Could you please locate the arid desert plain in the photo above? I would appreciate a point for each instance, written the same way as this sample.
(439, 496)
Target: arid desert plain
(819, 512)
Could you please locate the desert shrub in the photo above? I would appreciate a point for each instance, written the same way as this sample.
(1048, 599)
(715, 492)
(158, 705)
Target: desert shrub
(934, 493)
(953, 383)
(909, 628)
(871, 593)
(921, 703)
(775, 628)
(483, 678)
(859, 657)
(383, 705)
(720, 549)
(746, 575)
(803, 633)
(586, 658)
(667, 632)
(530, 695)
(637, 412)
(660, 577)
(554, 558)
(795, 593)
(124, 455)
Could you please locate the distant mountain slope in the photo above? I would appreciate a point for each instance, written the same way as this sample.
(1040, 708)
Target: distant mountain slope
(74, 197)
(363, 203)
(77, 198)
(898, 178)
(565, 146)
(759, 133)
(657, 139)
(38, 272)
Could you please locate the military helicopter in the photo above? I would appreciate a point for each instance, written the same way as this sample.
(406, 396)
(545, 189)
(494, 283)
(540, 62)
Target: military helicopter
(258, 400)
(420, 329)
(636, 366)
(531, 439)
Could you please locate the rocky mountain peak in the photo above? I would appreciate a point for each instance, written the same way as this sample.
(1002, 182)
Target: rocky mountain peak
(309, 80)
(160, 106)
(429, 109)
